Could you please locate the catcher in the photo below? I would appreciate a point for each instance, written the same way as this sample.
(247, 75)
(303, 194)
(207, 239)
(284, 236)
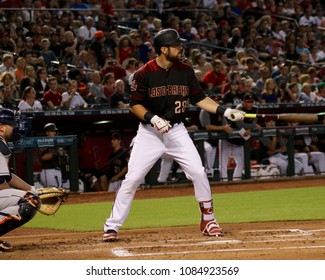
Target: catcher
(19, 201)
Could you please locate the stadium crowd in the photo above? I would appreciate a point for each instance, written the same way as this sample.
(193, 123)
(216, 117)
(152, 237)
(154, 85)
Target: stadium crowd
(82, 54)
(274, 50)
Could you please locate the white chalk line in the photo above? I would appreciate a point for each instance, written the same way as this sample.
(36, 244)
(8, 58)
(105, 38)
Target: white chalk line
(223, 242)
(286, 230)
(126, 253)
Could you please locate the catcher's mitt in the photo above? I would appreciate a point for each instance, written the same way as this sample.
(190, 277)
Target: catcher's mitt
(52, 199)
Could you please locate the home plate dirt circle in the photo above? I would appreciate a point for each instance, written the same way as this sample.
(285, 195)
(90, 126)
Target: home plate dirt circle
(292, 240)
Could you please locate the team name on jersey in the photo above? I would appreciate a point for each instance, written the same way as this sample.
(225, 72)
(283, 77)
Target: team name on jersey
(169, 90)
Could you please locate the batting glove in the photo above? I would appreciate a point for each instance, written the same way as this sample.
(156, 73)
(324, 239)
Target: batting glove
(234, 115)
(160, 124)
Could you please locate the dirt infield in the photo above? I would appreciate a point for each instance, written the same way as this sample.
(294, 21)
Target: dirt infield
(252, 241)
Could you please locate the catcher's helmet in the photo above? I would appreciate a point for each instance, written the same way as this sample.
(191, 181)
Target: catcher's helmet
(166, 37)
(50, 127)
(17, 120)
(7, 116)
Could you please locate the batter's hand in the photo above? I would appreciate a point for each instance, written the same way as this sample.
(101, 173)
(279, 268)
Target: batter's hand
(234, 115)
(160, 124)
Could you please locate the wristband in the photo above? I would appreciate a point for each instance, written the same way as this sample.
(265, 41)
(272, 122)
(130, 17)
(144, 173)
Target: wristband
(220, 110)
(148, 116)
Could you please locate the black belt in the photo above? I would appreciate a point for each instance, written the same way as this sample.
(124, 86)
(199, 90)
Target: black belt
(171, 123)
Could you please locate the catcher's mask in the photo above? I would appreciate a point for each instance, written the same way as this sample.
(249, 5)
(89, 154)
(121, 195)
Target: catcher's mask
(17, 120)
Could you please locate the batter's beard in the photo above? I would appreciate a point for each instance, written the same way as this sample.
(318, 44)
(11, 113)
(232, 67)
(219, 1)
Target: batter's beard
(178, 57)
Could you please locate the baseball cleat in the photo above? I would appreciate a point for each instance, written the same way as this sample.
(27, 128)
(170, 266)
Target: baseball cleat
(110, 236)
(211, 228)
(5, 246)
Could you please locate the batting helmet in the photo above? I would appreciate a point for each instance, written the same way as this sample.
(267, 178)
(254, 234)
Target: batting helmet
(50, 127)
(166, 37)
(7, 116)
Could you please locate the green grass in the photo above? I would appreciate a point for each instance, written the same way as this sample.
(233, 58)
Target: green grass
(258, 206)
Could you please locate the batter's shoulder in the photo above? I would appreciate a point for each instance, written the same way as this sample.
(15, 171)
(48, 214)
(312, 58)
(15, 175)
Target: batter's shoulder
(149, 67)
(184, 66)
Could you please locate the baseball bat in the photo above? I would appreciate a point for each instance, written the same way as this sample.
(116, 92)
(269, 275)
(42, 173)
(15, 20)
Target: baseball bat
(290, 117)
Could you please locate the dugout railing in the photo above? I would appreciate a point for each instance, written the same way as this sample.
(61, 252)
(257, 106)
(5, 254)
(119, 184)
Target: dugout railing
(29, 144)
(286, 131)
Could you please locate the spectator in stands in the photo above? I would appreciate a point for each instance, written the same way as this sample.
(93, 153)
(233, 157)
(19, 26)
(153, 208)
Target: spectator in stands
(321, 92)
(119, 98)
(300, 47)
(306, 95)
(215, 79)
(55, 44)
(79, 9)
(82, 88)
(7, 81)
(232, 76)
(260, 83)
(233, 96)
(140, 50)
(97, 48)
(69, 47)
(189, 32)
(19, 71)
(52, 98)
(270, 92)
(251, 70)
(200, 63)
(314, 80)
(113, 66)
(291, 94)
(129, 66)
(86, 60)
(20, 44)
(71, 99)
(85, 73)
(307, 18)
(282, 78)
(7, 43)
(108, 10)
(96, 89)
(41, 82)
(125, 47)
(47, 54)
(29, 80)
(7, 64)
(7, 100)
(87, 31)
(224, 44)
(29, 103)
(109, 85)
(290, 51)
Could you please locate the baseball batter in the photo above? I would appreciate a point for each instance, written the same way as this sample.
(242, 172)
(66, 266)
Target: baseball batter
(18, 204)
(159, 94)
